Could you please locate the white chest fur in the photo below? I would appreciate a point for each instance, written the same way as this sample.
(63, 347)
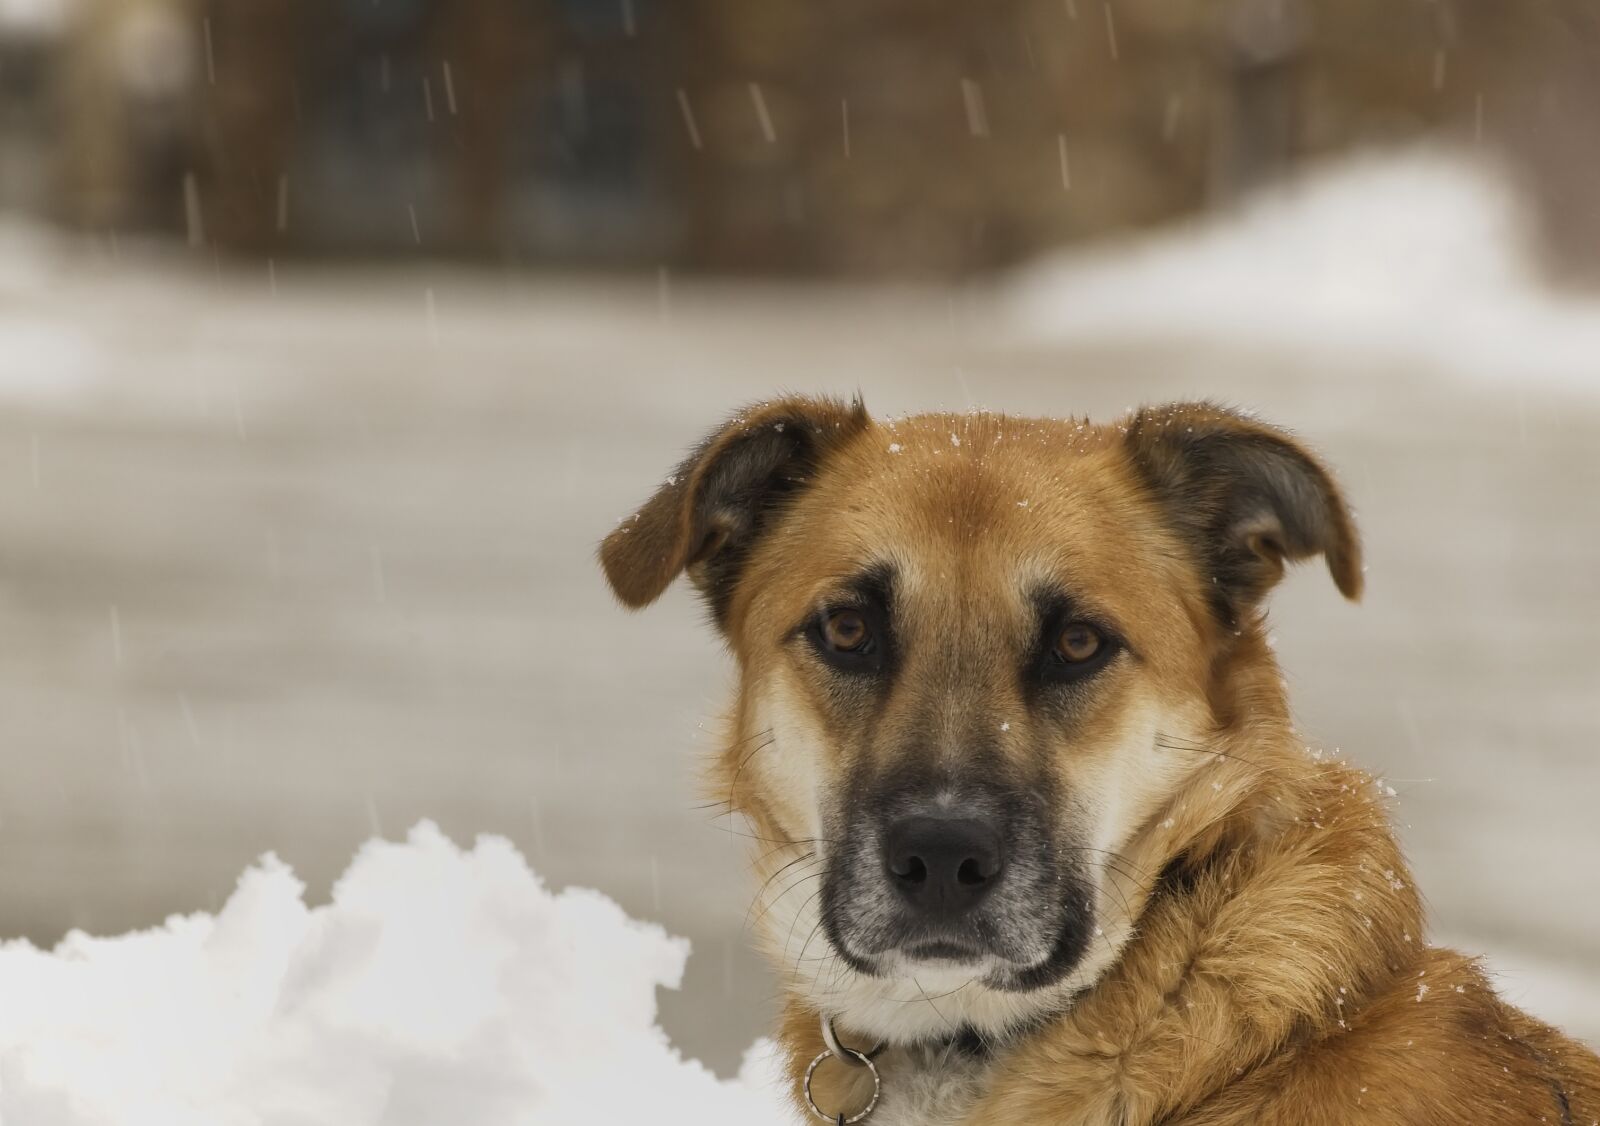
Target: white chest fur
(928, 1087)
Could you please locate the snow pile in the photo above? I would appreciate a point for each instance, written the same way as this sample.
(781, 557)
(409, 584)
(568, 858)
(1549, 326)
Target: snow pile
(1427, 257)
(440, 985)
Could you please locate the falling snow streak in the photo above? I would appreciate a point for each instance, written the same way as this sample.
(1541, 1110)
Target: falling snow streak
(193, 223)
(1066, 166)
(1111, 33)
(664, 294)
(977, 114)
(688, 119)
(449, 88)
(763, 116)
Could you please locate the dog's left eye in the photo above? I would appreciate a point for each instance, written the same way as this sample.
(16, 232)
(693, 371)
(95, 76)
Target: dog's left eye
(1074, 650)
(1078, 642)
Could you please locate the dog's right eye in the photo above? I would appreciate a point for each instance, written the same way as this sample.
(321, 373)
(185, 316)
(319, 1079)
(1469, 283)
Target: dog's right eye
(845, 639)
(845, 631)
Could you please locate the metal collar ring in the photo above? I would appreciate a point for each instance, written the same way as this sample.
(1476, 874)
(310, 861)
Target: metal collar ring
(847, 1056)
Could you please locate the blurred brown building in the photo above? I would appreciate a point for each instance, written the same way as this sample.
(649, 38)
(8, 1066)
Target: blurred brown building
(821, 136)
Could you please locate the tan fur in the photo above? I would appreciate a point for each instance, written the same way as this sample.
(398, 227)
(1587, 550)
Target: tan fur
(1260, 956)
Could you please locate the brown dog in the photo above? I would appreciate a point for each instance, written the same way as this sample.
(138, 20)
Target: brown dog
(1035, 818)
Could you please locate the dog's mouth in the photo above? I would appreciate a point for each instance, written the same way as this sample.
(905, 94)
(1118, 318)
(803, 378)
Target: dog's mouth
(1013, 945)
(959, 953)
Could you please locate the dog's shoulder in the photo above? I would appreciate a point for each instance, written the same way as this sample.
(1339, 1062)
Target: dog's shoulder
(1439, 1046)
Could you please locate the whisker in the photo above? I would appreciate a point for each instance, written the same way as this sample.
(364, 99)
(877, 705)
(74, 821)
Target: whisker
(1117, 856)
(779, 840)
(804, 907)
(1175, 743)
(1169, 743)
(726, 804)
(971, 981)
(840, 969)
(734, 785)
(823, 959)
(808, 854)
(773, 902)
(934, 1007)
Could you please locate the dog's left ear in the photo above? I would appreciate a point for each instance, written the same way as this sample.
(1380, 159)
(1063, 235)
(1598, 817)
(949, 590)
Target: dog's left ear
(707, 514)
(1246, 497)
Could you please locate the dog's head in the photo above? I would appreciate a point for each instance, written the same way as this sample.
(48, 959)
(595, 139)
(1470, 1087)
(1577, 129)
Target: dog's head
(978, 656)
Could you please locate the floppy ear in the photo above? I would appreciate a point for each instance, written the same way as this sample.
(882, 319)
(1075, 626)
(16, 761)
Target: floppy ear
(713, 507)
(1246, 497)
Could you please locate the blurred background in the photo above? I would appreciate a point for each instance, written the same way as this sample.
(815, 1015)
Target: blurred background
(334, 334)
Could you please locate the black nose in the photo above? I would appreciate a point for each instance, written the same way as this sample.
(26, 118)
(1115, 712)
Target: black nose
(942, 866)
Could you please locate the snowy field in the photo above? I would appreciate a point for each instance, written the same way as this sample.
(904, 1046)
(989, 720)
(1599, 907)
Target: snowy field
(295, 557)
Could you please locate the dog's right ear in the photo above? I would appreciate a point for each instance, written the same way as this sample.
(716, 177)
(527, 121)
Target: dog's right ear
(706, 515)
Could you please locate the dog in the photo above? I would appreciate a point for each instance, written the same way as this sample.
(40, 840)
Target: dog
(1037, 838)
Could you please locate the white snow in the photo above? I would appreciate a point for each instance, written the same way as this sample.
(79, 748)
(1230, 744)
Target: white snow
(439, 985)
(35, 19)
(1426, 256)
(47, 357)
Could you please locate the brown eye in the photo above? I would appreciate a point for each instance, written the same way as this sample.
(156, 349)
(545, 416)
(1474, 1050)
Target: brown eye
(1078, 642)
(845, 631)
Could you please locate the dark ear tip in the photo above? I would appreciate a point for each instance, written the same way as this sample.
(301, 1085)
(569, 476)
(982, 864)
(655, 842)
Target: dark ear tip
(1345, 560)
(1193, 453)
(1348, 578)
(634, 585)
(674, 528)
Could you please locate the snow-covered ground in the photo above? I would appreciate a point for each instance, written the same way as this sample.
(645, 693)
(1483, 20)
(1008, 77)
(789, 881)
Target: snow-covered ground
(1430, 258)
(294, 557)
(438, 986)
